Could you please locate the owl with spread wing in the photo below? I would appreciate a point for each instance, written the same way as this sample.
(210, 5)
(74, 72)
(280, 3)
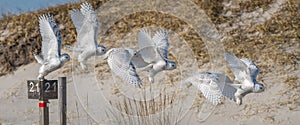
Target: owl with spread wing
(86, 24)
(153, 53)
(51, 47)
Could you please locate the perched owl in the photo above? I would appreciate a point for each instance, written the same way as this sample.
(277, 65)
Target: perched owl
(51, 47)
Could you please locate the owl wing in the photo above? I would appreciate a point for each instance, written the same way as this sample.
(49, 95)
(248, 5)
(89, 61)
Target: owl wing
(147, 47)
(225, 84)
(161, 42)
(137, 59)
(238, 67)
(214, 85)
(254, 70)
(119, 62)
(77, 19)
(208, 84)
(88, 30)
(229, 89)
(51, 44)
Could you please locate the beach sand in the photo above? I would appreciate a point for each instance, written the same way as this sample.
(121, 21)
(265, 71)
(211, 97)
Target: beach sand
(279, 104)
(93, 97)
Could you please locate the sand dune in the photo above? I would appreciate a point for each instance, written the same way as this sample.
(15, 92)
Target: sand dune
(277, 105)
(272, 42)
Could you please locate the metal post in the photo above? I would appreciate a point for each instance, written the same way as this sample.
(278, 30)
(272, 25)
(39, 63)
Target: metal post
(43, 105)
(62, 100)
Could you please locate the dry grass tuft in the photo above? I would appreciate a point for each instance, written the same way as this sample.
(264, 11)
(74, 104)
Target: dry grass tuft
(137, 111)
(292, 81)
(274, 45)
(271, 44)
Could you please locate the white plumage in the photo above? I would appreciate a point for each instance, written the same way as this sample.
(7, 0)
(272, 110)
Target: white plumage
(119, 61)
(208, 84)
(245, 73)
(216, 85)
(51, 47)
(86, 24)
(213, 86)
(153, 53)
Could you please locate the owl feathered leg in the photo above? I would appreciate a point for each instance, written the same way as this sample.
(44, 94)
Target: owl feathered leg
(151, 78)
(147, 68)
(238, 97)
(83, 65)
(38, 58)
(41, 76)
(82, 61)
(156, 68)
(42, 73)
(152, 73)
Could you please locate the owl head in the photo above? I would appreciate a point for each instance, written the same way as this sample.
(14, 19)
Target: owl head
(65, 58)
(101, 50)
(258, 87)
(170, 65)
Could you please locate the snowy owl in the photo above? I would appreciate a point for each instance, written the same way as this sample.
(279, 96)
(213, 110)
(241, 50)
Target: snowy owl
(119, 61)
(245, 73)
(216, 85)
(153, 53)
(86, 25)
(51, 47)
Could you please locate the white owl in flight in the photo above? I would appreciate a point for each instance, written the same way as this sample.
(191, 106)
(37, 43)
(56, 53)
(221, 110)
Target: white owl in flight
(51, 47)
(211, 84)
(245, 73)
(119, 61)
(153, 53)
(86, 24)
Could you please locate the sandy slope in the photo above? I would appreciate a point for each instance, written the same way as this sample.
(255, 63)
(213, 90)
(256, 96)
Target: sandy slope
(274, 47)
(274, 106)
(16, 109)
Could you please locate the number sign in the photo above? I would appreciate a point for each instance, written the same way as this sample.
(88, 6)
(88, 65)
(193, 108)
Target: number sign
(49, 89)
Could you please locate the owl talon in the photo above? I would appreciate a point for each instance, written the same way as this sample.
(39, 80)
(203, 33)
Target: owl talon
(41, 76)
(151, 79)
(83, 66)
(238, 101)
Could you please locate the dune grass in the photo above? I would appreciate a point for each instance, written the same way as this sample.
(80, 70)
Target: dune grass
(274, 45)
(19, 34)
